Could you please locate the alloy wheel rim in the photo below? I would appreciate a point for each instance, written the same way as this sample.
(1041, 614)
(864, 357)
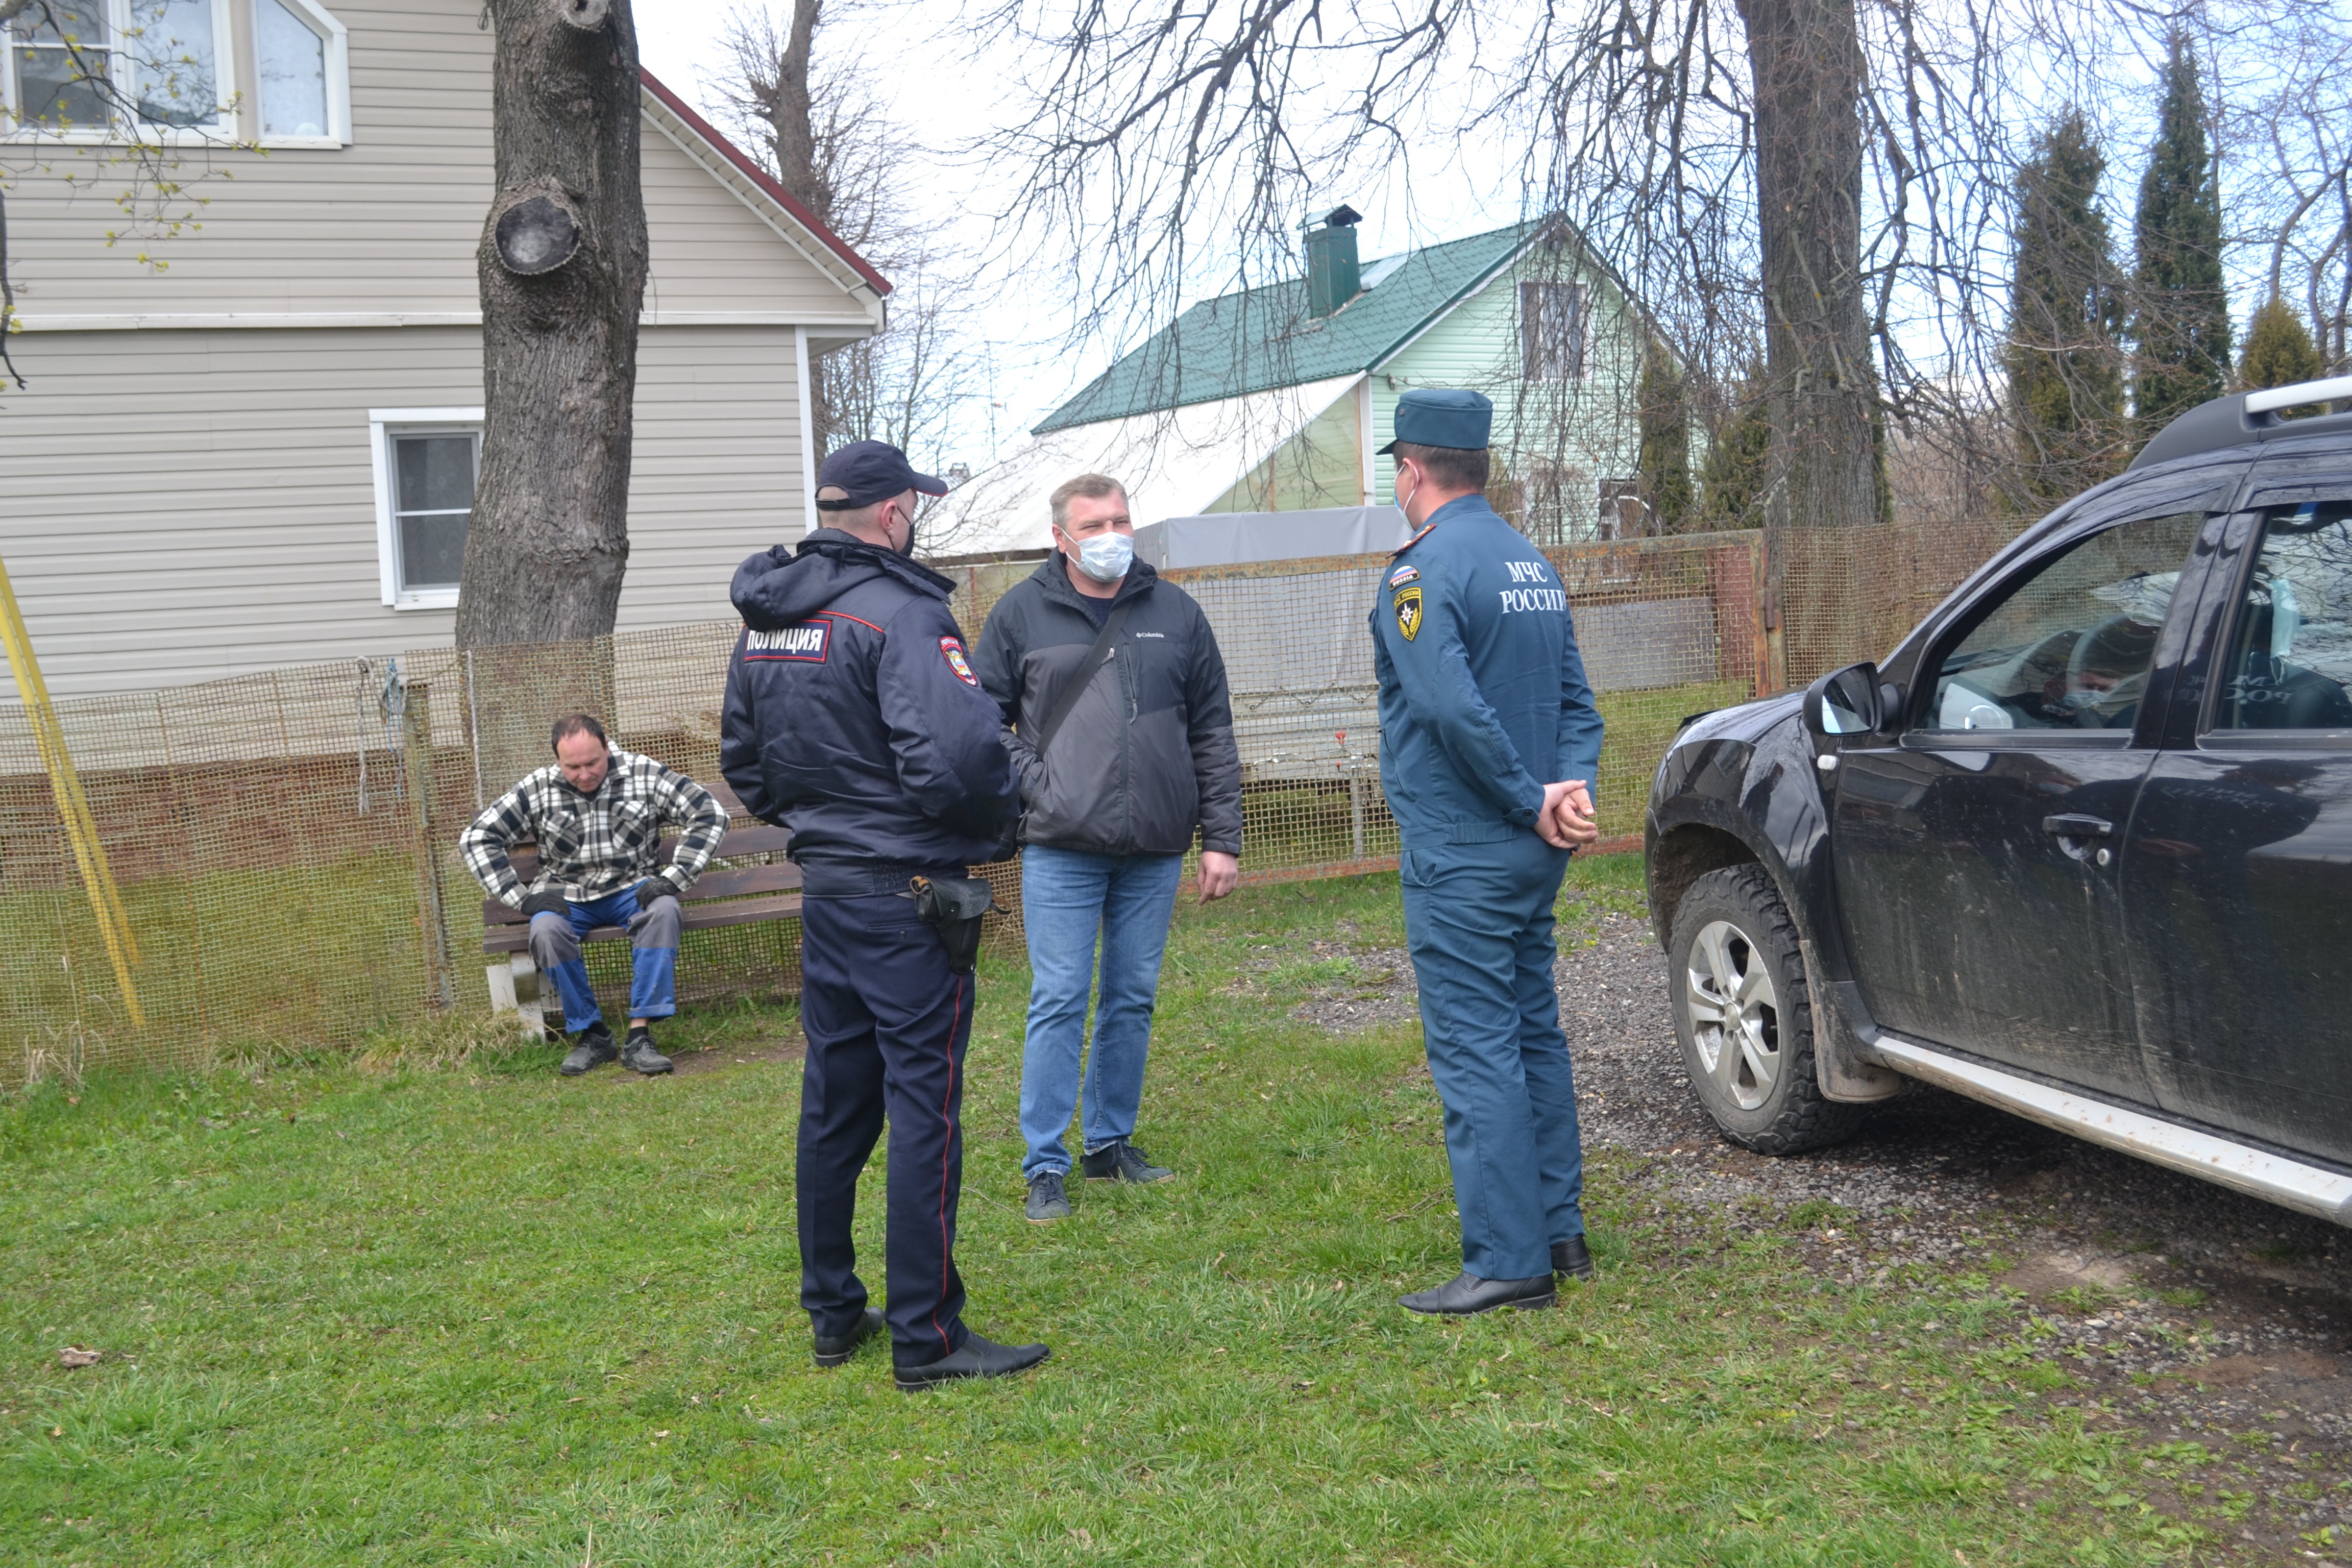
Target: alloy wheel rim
(1735, 1015)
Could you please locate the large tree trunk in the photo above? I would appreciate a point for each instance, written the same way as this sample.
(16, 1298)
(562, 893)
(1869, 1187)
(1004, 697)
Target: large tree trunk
(1823, 465)
(562, 271)
(1808, 62)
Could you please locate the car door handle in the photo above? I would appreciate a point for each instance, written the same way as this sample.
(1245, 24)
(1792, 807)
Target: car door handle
(2073, 826)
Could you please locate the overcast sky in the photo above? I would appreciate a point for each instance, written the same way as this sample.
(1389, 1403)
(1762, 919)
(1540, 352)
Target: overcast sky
(925, 69)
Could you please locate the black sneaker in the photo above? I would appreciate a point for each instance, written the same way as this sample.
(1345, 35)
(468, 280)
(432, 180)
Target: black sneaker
(639, 1054)
(1048, 1200)
(1572, 1258)
(976, 1358)
(834, 1350)
(592, 1048)
(1122, 1162)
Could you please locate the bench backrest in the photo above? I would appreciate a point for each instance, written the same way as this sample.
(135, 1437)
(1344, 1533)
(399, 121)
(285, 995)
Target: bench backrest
(745, 836)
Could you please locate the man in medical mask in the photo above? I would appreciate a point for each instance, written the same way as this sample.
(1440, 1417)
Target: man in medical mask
(1123, 737)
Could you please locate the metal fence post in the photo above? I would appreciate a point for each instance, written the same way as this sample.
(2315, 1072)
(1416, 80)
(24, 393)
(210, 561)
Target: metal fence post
(417, 725)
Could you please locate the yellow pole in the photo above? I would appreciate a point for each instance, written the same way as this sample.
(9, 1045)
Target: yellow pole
(73, 806)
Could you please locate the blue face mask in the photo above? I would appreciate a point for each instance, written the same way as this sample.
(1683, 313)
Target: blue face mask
(1107, 556)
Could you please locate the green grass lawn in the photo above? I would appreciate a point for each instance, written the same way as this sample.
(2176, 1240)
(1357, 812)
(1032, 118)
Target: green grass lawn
(479, 1314)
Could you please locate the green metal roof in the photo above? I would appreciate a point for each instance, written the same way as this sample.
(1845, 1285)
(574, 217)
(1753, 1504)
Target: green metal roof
(1260, 339)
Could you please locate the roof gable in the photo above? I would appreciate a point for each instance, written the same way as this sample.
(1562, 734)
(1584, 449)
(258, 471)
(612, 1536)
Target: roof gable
(736, 169)
(1258, 339)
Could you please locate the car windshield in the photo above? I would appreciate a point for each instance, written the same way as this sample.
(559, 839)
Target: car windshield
(2070, 644)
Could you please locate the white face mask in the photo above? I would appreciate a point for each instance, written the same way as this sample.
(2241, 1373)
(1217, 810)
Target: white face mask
(1107, 556)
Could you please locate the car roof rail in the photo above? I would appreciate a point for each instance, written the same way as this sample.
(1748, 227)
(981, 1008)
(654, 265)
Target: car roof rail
(2247, 417)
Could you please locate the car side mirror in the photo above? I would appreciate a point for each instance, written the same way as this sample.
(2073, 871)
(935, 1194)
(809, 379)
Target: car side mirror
(1844, 701)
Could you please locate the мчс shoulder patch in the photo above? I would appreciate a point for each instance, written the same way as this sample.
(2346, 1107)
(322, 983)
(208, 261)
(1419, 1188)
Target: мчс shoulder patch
(951, 649)
(806, 642)
(1407, 605)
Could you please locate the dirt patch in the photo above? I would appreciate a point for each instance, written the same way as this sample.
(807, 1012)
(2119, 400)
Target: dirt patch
(716, 1059)
(1377, 993)
(2043, 1277)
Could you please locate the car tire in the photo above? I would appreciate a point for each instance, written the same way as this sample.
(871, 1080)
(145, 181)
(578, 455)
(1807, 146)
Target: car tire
(1743, 1015)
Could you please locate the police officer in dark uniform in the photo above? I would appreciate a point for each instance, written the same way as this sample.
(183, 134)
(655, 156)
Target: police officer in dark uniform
(855, 720)
(1489, 741)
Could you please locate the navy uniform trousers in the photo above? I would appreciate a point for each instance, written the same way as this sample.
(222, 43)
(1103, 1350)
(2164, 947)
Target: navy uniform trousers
(887, 1023)
(1478, 921)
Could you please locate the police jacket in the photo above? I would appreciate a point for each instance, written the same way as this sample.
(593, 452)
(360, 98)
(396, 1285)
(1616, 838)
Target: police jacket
(1483, 696)
(1148, 752)
(853, 717)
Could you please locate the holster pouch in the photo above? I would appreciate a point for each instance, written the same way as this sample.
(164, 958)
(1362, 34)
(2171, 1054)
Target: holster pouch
(954, 905)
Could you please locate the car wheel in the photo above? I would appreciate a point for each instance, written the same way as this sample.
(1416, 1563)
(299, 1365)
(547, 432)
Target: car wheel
(1745, 1018)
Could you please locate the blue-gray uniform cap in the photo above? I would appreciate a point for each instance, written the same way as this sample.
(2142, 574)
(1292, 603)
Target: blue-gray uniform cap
(1448, 418)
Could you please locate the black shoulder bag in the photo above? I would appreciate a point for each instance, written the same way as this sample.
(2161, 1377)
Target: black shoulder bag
(1084, 678)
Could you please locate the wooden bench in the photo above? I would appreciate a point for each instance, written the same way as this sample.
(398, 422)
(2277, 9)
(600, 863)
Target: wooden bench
(722, 896)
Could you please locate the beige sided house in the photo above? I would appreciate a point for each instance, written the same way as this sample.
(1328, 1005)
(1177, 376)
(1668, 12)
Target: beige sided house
(265, 454)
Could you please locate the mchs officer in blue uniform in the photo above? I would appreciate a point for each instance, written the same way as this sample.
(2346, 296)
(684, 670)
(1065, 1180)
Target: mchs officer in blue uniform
(1489, 741)
(854, 719)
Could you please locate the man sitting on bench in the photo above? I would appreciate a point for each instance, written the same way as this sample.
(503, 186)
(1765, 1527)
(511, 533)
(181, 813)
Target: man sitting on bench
(597, 817)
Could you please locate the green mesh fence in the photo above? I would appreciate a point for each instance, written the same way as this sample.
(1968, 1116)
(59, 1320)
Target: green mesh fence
(285, 842)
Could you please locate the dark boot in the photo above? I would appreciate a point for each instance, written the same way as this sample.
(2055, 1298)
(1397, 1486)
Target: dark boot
(1572, 1258)
(592, 1048)
(639, 1054)
(977, 1358)
(1465, 1296)
(1048, 1200)
(1122, 1162)
(834, 1349)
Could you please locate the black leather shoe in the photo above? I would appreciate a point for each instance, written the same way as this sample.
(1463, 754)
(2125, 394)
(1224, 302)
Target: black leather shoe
(592, 1047)
(977, 1358)
(1572, 1258)
(832, 1350)
(1122, 1162)
(1465, 1296)
(640, 1055)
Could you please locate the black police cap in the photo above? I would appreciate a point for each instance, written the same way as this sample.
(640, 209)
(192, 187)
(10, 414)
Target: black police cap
(864, 472)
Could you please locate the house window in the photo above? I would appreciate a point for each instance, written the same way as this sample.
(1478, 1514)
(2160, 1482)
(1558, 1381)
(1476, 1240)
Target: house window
(1623, 513)
(300, 54)
(103, 67)
(426, 461)
(1551, 331)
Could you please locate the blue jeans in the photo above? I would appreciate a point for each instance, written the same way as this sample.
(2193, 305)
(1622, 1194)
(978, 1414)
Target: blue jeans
(653, 959)
(1067, 896)
(1478, 921)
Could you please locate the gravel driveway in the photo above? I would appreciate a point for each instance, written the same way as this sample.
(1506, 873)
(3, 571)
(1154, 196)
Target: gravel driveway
(2190, 1312)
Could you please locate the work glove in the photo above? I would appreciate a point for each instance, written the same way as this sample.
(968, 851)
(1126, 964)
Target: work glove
(649, 890)
(547, 903)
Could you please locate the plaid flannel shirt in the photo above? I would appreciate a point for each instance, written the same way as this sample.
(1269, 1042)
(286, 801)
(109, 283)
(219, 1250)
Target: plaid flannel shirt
(592, 847)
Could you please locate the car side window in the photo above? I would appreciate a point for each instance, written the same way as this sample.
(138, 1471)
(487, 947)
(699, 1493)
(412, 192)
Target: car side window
(2290, 661)
(2069, 644)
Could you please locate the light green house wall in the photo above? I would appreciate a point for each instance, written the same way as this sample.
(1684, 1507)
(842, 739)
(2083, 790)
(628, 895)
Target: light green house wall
(1560, 436)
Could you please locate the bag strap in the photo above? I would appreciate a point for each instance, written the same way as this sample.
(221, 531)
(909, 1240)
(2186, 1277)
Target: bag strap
(1096, 657)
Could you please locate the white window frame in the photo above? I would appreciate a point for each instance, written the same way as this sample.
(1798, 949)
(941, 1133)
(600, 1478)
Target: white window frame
(384, 423)
(337, 40)
(226, 36)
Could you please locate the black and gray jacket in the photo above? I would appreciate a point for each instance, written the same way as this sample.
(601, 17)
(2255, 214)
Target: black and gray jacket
(1148, 753)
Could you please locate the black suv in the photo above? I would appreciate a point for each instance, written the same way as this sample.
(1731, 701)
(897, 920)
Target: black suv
(2082, 847)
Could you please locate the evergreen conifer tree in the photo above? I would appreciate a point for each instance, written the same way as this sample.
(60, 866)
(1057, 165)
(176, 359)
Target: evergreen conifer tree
(2278, 351)
(1733, 480)
(2181, 309)
(1664, 460)
(2065, 371)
